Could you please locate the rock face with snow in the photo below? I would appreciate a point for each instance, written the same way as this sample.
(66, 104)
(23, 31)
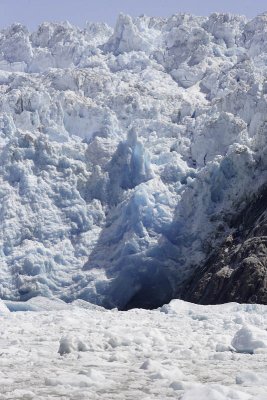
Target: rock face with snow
(125, 153)
(237, 270)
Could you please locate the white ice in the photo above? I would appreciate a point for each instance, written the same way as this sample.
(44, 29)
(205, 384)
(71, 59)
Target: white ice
(181, 351)
(124, 152)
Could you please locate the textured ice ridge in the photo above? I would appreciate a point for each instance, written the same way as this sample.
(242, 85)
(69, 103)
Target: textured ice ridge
(123, 152)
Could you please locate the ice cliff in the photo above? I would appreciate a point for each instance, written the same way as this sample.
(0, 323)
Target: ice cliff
(125, 153)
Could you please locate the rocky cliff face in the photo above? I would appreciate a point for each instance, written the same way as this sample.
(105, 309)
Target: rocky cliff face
(237, 269)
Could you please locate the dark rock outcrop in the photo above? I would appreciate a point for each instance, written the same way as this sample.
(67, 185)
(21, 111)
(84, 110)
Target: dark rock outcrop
(237, 270)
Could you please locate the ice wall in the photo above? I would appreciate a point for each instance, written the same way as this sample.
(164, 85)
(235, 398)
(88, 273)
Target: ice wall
(123, 152)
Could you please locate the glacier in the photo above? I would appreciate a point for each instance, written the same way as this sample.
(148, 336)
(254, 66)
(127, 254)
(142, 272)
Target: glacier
(125, 152)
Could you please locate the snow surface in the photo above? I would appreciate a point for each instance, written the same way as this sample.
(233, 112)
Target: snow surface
(123, 152)
(3, 308)
(180, 351)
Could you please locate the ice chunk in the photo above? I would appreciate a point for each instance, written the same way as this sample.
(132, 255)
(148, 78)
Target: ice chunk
(73, 380)
(66, 346)
(249, 338)
(214, 392)
(3, 308)
(250, 378)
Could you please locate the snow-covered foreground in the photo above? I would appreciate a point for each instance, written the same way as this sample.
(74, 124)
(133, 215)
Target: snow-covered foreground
(181, 351)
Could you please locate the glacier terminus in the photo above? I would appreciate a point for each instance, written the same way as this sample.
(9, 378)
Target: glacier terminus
(126, 152)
